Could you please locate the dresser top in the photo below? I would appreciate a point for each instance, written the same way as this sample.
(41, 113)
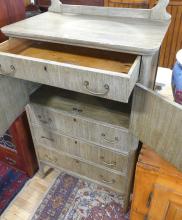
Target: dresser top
(123, 30)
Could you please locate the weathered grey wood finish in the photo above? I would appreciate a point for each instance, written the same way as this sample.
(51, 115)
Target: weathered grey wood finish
(138, 31)
(87, 169)
(83, 159)
(134, 31)
(148, 70)
(157, 122)
(93, 153)
(68, 76)
(97, 109)
(156, 13)
(96, 132)
(13, 98)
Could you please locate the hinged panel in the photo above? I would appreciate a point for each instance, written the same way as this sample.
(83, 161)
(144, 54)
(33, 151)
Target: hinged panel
(13, 98)
(157, 122)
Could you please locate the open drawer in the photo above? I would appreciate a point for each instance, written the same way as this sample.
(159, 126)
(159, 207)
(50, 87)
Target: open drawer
(107, 74)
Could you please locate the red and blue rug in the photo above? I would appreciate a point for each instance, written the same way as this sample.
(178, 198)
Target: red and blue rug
(71, 198)
(11, 182)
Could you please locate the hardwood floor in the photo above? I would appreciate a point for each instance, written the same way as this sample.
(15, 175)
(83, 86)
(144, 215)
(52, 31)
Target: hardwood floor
(28, 199)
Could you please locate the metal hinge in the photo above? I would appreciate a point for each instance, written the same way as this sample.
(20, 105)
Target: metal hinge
(149, 199)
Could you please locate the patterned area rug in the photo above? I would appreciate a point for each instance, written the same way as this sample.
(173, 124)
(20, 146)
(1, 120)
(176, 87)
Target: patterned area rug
(11, 182)
(6, 141)
(71, 198)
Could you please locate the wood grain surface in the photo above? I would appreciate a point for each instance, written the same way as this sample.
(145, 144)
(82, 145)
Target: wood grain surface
(172, 41)
(69, 76)
(157, 121)
(23, 157)
(122, 26)
(81, 149)
(85, 128)
(73, 164)
(106, 60)
(153, 171)
(13, 99)
(11, 11)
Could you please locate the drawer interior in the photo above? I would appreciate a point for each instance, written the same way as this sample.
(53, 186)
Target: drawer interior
(81, 56)
(108, 111)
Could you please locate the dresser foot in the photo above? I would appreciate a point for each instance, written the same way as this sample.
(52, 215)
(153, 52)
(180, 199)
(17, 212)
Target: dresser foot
(41, 172)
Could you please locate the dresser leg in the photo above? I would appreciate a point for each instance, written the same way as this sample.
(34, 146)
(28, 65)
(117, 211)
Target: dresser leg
(41, 170)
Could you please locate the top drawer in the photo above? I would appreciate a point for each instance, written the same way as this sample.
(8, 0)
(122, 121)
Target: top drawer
(106, 74)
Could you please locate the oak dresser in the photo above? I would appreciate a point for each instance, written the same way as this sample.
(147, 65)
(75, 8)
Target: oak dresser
(97, 66)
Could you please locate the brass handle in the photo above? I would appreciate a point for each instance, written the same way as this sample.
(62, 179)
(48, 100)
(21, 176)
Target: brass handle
(86, 85)
(55, 159)
(51, 159)
(46, 156)
(10, 73)
(107, 181)
(44, 121)
(116, 139)
(112, 164)
(77, 110)
(50, 139)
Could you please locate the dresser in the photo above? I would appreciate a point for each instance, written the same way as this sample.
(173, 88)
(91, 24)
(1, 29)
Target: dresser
(97, 98)
(84, 136)
(157, 188)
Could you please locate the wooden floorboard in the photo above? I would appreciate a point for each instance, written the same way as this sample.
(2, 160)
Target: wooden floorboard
(26, 202)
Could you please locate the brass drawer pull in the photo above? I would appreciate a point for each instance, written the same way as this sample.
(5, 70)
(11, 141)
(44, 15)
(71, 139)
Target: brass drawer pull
(51, 159)
(106, 87)
(44, 121)
(107, 181)
(77, 110)
(48, 157)
(112, 164)
(49, 139)
(116, 139)
(55, 160)
(11, 72)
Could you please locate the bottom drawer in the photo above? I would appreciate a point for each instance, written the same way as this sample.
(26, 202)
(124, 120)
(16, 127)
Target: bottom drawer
(104, 176)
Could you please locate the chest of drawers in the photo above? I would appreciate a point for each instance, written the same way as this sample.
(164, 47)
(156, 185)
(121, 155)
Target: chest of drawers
(110, 53)
(77, 133)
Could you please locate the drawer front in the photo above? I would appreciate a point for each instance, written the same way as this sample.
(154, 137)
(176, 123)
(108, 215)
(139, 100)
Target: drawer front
(107, 84)
(89, 130)
(84, 150)
(111, 179)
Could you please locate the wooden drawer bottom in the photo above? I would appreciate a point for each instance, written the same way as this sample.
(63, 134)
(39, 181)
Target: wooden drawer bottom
(106, 177)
